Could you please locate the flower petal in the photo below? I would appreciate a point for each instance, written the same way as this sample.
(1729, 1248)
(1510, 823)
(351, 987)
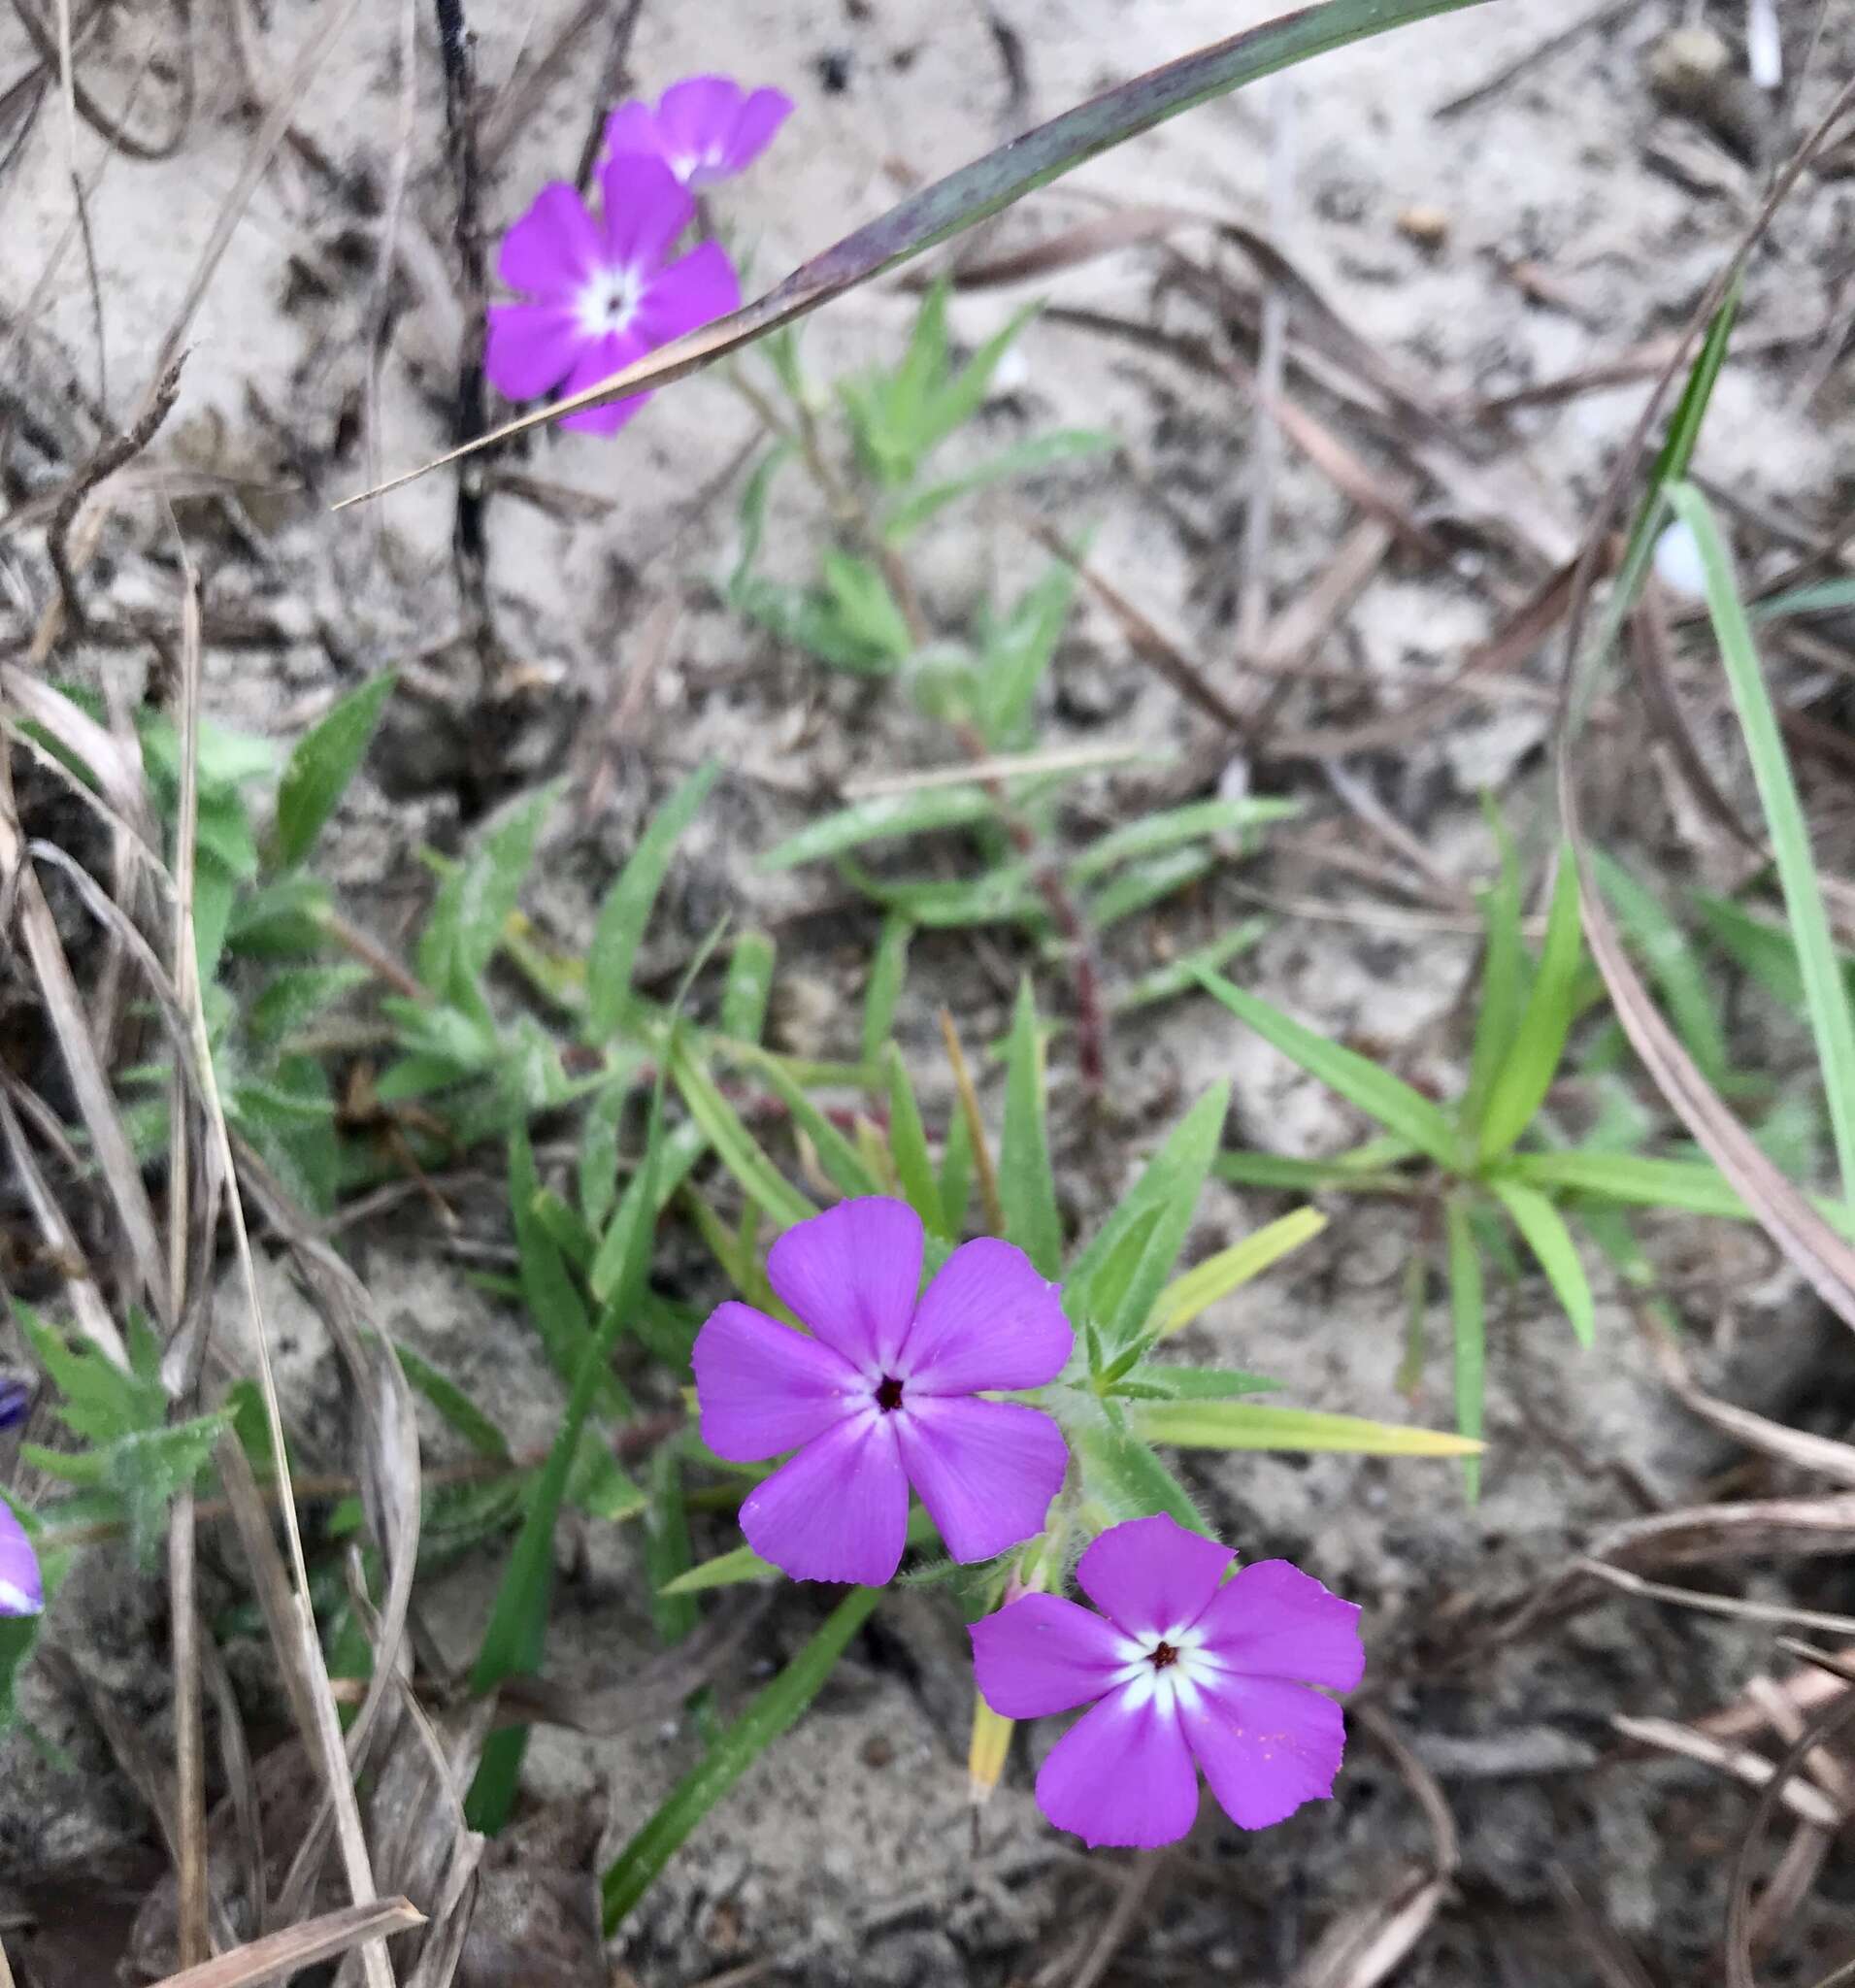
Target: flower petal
(693, 290)
(555, 247)
(531, 348)
(1122, 1775)
(1043, 1654)
(646, 209)
(1152, 1575)
(839, 1510)
(1272, 1620)
(755, 127)
(696, 119)
(22, 1590)
(988, 1319)
(1266, 1747)
(851, 1274)
(600, 358)
(764, 1389)
(632, 128)
(986, 1471)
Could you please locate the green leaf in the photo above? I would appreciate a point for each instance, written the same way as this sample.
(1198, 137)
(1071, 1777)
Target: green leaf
(287, 919)
(629, 905)
(880, 818)
(512, 1644)
(1550, 1240)
(1027, 1188)
(908, 1149)
(1696, 1187)
(1172, 826)
(1469, 1314)
(840, 1159)
(1245, 1425)
(738, 1150)
(475, 900)
(888, 970)
(667, 1547)
(1503, 977)
(1170, 1186)
(550, 1295)
(865, 610)
(1062, 445)
(956, 1173)
(1186, 1297)
(1758, 946)
(1121, 1474)
(453, 1405)
(748, 987)
(1180, 976)
(766, 1718)
(1527, 1072)
(1671, 960)
(598, 1486)
(99, 1402)
(598, 1160)
(294, 998)
(1825, 991)
(1003, 896)
(725, 1571)
(1142, 885)
(326, 760)
(1016, 652)
(1199, 1383)
(1361, 1082)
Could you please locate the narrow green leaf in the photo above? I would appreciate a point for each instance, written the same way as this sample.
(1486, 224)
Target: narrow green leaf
(1693, 1187)
(888, 970)
(1121, 1474)
(1142, 885)
(837, 1157)
(1361, 1082)
(1197, 1384)
(908, 1149)
(1526, 1074)
(294, 998)
(550, 1295)
(667, 1548)
(1276, 1171)
(453, 1405)
(475, 900)
(768, 1715)
(1202, 1285)
(1825, 992)
(1171, 1185)
(1165, 830)
(1503, 976)
(1024, 458)
(1671, 962)
(321, 766)
(1550, 1240)
(955, 1177)
(629, 903)
(738, 1150)
(725, 1571)
(748, 987)
(598, 1163)
(1180, 976)
(1027, 1188)
(1469, 1316)
(1760, 947)
(1248, 1425)
(882, 817)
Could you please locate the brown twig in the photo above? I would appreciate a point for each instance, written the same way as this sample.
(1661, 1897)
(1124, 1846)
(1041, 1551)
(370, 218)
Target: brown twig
(614, 74)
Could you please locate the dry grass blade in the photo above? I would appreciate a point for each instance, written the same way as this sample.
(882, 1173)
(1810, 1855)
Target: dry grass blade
(1821, 1455)
(978, 191)
(60, 1242)
(1614, 1965)
(1718, 1605)
(1670, 1735)
(279, 1955)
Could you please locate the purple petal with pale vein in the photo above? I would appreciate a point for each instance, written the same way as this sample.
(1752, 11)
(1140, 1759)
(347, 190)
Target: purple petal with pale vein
(531, 348)
(1041, 1654)
(632, 128)
(764, 1389)
(755, 125)
(600, 358)
(1122, 1775)
(1266, 1747)
(697, 118)
(988, 1319)
(1272, 1620)
(1152, 1574)
(986, 1471)
(692, 290)
(22, 1590)
(851, 1274)
(646, 209)
(839, 1510)
(553, 249)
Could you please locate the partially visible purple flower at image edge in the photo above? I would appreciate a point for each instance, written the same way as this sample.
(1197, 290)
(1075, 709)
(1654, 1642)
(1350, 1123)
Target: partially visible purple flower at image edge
(1182, 1670)
(884, 1393)
(16, 1400)
(706, 128)
(599, 294)
(21, 1589)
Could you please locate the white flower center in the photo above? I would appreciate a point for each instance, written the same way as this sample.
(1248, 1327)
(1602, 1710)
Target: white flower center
(1169, 1664)
(610, 301)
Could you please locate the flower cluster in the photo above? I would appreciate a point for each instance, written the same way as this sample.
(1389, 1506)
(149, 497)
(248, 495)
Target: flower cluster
(885, 1390)
(599, 287)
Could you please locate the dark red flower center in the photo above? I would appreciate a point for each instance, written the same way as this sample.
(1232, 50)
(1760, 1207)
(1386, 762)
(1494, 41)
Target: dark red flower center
(1162, 1654)
(888, 1396)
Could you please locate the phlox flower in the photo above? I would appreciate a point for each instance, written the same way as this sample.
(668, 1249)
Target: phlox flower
(1179, 1666)
(886, 1392)
(22, 1590)
(16, 1400)
(600, 294)
(705, 128)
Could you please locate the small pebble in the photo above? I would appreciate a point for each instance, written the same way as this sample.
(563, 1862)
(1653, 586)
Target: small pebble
(1424, 226)
(1677, 563)
(1688, 66)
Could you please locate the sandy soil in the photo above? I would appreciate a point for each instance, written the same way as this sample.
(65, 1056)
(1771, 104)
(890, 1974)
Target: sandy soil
(1568, 218)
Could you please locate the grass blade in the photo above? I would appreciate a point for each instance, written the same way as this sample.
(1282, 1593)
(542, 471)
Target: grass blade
(1527, 1071)
(1503, 980)
(888, 970)
(908, 1149)
(1026, 1186)
(985, 187)
(739, 1151)
(1825, 992)
(1550, 1240)
(1254, 1425)
(1186, 1297)
(1671, 958)
(1376, 1092)
(880, 818)
(321, 766)
(629, 903)
(637, 1865)
(1469, 1312)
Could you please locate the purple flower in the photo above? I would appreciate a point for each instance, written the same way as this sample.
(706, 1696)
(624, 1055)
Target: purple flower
(16, 1400)
(601, 294)
(21, 1591)
(1177, 1668)
(705, 128)
(885, 1394)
